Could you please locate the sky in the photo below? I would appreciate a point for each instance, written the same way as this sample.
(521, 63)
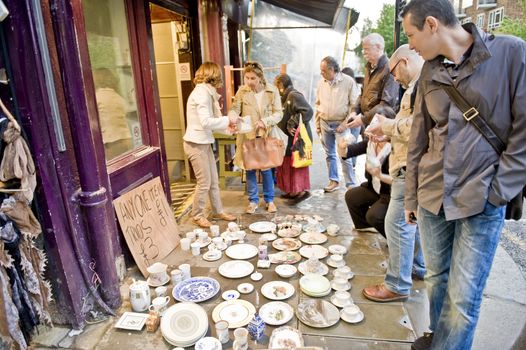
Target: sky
(368, 9)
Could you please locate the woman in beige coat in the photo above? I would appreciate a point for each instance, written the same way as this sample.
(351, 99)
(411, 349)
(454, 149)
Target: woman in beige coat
(203, 117)
(260, 102)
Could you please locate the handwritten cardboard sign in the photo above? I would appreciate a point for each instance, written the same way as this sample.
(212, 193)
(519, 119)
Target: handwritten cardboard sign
(147, 223)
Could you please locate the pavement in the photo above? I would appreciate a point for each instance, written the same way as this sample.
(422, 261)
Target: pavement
(387, 326)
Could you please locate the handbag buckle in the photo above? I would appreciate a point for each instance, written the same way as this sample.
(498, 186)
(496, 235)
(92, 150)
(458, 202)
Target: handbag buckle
(470, 113)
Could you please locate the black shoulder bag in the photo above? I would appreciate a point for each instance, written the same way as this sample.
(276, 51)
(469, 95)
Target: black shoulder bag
(471, 114)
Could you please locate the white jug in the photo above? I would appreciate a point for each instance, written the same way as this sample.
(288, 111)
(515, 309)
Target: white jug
(140, 296)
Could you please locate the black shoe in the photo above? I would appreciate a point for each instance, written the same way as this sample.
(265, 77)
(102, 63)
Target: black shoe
(301, 197)
(424, 342)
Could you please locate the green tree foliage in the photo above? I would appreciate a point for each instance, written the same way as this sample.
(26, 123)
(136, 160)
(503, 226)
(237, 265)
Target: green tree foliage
(516, 26)
(385, 27)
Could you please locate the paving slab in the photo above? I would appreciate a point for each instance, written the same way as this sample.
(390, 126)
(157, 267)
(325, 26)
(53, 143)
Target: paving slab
(50, 336)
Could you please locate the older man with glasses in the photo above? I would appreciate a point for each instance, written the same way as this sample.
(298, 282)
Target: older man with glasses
(403, 239)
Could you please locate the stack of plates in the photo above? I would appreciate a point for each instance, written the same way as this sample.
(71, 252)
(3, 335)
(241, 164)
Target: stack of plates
(315, 285)
(183, 324)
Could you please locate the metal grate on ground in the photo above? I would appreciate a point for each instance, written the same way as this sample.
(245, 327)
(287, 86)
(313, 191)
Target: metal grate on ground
(182, 197)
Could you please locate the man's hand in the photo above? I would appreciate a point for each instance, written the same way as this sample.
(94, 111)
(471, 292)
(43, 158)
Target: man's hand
(342, 126)
(376, 129)
(260, 125)
(375, 172)
(356, 122)
(410, 217)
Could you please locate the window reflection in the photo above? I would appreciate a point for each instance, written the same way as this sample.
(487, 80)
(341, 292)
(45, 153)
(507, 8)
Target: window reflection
(109, 52)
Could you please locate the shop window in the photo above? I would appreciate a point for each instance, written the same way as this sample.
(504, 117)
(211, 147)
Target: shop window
(480, 20)
(495, 18)
(109, 52)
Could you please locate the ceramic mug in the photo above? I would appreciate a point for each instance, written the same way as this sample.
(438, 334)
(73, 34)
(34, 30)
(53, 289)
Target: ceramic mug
(241, 336)
(157, 273)
(232, 226)
(191, 236)
(185, 268)
(343, 272)
(337, 259)
(177, 276)
(340, 283)
(222, 331)
(241, 236)
(332, 229)
(196, 248)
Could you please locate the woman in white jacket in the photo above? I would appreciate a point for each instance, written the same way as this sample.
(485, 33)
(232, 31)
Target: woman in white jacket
(204, 116)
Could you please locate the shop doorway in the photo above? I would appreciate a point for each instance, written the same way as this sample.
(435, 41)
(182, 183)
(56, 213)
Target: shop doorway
(173, 63)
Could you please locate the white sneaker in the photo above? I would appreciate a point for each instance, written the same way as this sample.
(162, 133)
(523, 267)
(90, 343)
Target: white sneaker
(252, 207)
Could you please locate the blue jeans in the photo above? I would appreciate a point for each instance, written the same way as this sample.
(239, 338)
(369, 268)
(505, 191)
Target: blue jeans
(458, 256)
(355, 132)
(268, 186)
(403, 240)
(328, 141)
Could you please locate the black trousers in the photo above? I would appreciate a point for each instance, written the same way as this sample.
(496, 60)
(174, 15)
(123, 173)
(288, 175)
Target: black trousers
(367, 208)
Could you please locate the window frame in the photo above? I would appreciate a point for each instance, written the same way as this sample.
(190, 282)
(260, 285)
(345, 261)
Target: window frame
(492, 15)
(481, 18)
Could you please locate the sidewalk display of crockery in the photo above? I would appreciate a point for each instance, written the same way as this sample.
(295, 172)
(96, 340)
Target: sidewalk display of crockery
(295, 239)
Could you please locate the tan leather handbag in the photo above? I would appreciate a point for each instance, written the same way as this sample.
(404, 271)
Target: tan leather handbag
(263, 153)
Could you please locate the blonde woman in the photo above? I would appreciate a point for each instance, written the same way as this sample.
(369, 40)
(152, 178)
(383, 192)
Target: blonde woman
(204, 116)
(260, 102)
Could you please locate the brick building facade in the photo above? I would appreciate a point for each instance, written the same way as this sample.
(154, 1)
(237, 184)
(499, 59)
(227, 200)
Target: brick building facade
(487, 14)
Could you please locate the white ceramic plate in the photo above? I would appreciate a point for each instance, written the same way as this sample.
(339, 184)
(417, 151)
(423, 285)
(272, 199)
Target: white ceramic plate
(231, 294)
(204, 243)
(241, 251)
(286, 244)
(235, 269)
(245, 288)
(154, 284)
(184, 323)
(276, 313)
(289, 232)
(320, 269)
(237, 313)
(131, 320)
(285, 257)
(313, 238)
(269, 237)
(345, 287)
(337, 249)
(317, 295)
(285, 338)
(317, 250)
(230, 235)
(315, 284)
(262, 226)
(277, 290)
(317, 313)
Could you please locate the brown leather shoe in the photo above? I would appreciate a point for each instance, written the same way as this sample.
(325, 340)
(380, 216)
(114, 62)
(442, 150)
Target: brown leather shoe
(381, 294)
(225, 216)
(332, 186)
(202, 222)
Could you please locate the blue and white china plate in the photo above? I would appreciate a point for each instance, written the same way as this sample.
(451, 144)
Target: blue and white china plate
(196, 289)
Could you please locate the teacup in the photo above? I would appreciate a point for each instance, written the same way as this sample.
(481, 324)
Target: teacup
(228, 241)
(191, 236)
(241, 236)
(351, 312)
(214, 230)
(185, 268)
(185, 243)
(177, 276)
(342, 298)
(337, 260)
(340, 284)
(233, 227)
(241, 336)
(197, 231)
(159, 304)
(332, 229)
(313, 263)
(161, 291)
(343, 272)
(157, 273)
(203, 237)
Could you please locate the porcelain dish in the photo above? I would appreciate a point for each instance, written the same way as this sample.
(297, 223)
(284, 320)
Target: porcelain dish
(318, 251)
(286, 271)
(276, 313)
(313, 238)
(231, 294)
(356, 319)
(286, 244)
(196, 289)
(286, 338)
(132, 321)
(237, 313)
(262, 226)
(319, 268)
(208, 343)
(153, 284)
(284, 257)
(241, 251)
(317, 313)
(183, 324)
(337, 249)
(235, 269)
(277, 290)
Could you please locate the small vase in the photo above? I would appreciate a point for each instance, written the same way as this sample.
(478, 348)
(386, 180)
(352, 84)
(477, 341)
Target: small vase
(256, 327)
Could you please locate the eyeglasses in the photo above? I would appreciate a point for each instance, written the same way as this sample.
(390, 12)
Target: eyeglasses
(396, 65)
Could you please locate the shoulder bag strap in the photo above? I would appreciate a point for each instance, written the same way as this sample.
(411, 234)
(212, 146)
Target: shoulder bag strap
(471, 114)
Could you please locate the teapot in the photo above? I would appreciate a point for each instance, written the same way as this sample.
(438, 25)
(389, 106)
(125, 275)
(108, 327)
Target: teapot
(140, 296)
(157, 273)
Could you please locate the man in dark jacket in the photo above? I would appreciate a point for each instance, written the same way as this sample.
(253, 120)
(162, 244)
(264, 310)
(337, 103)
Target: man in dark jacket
(379, 88)
(456, 183)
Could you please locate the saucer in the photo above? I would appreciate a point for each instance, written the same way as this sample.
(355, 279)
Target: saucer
(245, 288)
(157, 284)
(256, 276)
(230, 294)
(337, 249)
(212, 255)
(355, 319)
(346, 288)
